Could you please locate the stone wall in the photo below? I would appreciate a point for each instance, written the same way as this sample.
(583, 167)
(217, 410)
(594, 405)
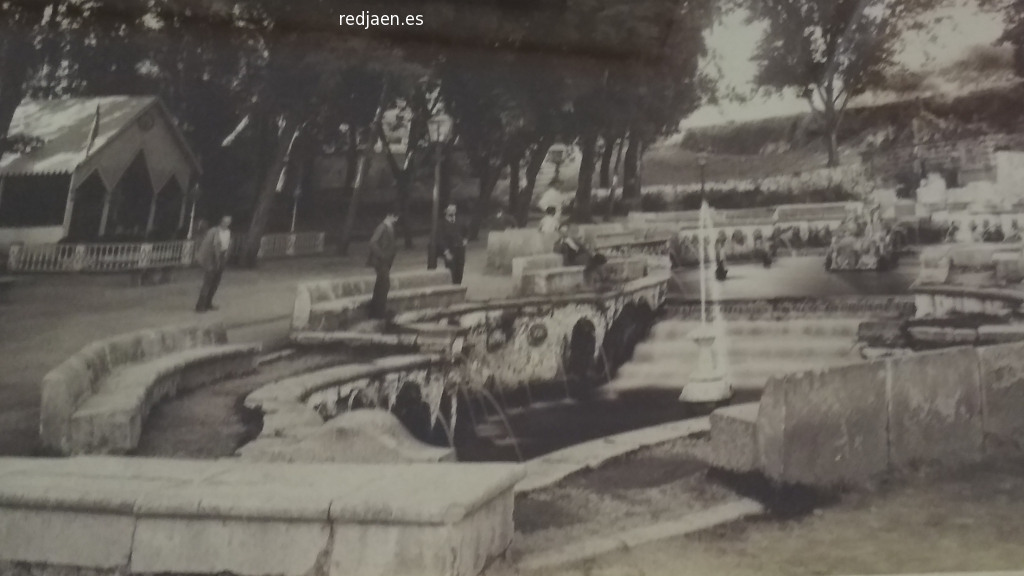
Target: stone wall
(846, 425)
(503, 246)
(780, 308)
(515, 343)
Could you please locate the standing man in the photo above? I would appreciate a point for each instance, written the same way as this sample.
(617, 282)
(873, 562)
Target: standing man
(382, 255)
(452, 243)
(213, 258)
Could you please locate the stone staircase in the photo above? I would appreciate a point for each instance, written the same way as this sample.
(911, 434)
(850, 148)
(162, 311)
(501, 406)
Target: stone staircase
(755, 351)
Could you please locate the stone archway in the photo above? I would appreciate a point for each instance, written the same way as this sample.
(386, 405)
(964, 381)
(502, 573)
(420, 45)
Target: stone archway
(580, 352)
(620, 339)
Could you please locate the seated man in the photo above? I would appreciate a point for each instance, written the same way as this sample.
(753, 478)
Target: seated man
(572, 251)
(594, 272)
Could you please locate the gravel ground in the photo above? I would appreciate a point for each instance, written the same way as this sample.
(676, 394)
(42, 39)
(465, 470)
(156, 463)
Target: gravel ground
(661, 483)
(933, 521)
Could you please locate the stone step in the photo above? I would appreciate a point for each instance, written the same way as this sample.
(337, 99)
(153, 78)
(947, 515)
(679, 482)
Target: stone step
(747, 348)
(625, 384)
(734, 438)
(838, 327)
(674, 371)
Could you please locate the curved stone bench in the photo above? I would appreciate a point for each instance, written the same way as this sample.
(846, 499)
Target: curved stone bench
(329, 305)
(96, 400)
(150, 516)
(294, 409)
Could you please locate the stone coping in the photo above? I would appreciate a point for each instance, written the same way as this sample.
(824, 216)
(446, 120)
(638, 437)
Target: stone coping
(638, 285)
(554, 467)
(234, 489)
(311, 293)
(299, 388)
(81, 375)
(970, 291)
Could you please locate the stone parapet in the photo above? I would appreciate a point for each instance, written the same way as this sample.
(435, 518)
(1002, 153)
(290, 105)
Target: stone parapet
(846, 425)
(96, 400)
(150, 516)
(504, 246)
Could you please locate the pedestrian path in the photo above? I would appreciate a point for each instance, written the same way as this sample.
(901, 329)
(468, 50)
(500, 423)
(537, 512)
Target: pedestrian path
(52, 317)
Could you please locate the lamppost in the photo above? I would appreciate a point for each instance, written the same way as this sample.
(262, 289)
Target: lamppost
(557, 156)
(702, 161)
(439, 127)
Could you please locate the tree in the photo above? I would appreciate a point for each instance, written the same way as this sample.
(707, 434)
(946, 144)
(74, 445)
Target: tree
(644, 93)
(830, 51)
(23, 26)
(1013, 14)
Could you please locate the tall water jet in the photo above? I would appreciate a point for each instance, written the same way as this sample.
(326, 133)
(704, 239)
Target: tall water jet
(709, 382)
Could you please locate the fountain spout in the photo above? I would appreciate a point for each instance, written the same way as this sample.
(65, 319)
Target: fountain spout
(709, 381)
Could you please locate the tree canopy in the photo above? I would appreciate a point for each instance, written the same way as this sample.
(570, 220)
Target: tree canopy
(830, 51)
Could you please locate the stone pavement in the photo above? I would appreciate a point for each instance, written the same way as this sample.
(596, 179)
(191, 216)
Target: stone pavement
(50, 318)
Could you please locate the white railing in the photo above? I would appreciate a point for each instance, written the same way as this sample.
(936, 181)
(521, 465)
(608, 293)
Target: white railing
(129, 257)
(99, 257)
(298, 244)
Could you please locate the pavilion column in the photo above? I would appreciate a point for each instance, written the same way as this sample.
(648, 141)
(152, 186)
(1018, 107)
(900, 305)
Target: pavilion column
(152, 214)
(186, 199)
(69, 206)
(106, 212)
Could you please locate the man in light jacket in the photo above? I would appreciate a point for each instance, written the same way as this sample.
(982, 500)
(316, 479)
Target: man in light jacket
(452, 243)
(212, 256)
(383, 247)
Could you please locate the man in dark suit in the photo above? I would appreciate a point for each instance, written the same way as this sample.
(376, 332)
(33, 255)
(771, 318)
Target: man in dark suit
(212, 256)
(383, 248)
(451, 243)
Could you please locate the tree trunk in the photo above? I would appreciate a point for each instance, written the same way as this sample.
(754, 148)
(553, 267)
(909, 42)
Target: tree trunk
(351, 170)
(614, 183)
(513, 185)
(446, 176)
(832, 142)
(403, 175)
(540, 152)
(605, 176)
(15, 61)
(403, 191)
(353, 204)
(831, 126)
(488, 180)
(631, 170)
(267, 192)
(585, 182)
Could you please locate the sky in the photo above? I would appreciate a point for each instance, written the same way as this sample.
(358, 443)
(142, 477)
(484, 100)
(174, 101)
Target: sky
(732, 44)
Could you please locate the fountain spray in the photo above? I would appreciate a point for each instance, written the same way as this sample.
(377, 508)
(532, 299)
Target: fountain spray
(709, 381)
